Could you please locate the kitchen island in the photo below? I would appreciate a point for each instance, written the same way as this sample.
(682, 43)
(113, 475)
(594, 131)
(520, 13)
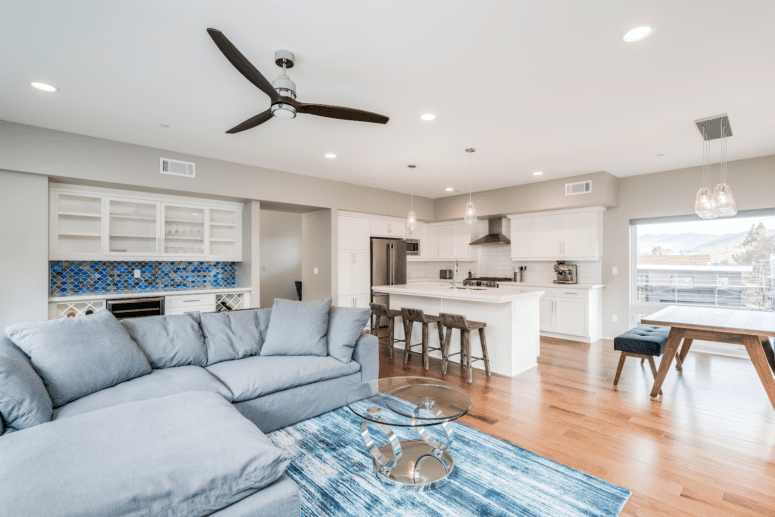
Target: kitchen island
(512, 320)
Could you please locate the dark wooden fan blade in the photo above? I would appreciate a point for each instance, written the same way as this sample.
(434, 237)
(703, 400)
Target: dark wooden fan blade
(321, 110)
(252, 122)
(242, 64)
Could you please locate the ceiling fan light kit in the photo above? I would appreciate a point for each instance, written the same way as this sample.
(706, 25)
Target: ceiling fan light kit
(720, 202)
(282, 91)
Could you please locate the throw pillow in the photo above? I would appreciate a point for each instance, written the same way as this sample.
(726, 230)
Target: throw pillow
(297, 328)
(169, 341)
(24, 401)
(233, 335)
(345, 325)
(79, 356)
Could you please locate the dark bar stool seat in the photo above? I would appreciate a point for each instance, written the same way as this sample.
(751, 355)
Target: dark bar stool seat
(411, 316)
(458, 321)
(380, 310)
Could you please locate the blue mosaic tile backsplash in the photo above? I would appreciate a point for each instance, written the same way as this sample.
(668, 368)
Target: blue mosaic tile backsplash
(73, 278)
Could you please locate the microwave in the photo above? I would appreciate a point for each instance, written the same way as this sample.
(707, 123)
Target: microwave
(412, 247)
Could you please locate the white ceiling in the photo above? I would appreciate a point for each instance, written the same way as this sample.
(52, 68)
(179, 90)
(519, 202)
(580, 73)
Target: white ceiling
(536, 85)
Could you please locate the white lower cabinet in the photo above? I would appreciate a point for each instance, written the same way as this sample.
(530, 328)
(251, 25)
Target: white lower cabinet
(354, 278)
(571, 313)
(361, 302)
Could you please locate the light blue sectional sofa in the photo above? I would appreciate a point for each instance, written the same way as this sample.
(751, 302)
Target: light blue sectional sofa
(166, 415)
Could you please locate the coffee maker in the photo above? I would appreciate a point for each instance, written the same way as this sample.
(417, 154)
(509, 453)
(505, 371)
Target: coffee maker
(566, 273)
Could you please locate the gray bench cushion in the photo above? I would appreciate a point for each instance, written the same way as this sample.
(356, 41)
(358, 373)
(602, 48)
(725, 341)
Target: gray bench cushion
(156, 457)
(159, 383)
(234, 335)
(643, 339)
(24, 401)
(257, 376)
(169, 341)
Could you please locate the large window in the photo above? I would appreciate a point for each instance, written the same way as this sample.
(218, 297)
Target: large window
(716, 263)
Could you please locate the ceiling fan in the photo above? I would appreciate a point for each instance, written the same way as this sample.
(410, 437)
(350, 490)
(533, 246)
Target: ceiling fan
(282, 91)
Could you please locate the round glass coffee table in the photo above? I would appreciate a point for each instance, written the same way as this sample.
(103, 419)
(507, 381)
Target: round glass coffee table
(417, 402)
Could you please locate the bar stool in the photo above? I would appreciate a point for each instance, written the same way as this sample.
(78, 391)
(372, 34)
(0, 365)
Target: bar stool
(458, 321)
(380, 310)
(416, 315)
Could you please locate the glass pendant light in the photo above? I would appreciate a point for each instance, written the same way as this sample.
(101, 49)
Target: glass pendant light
(470, 215)
(705, 203)
(411, 218)
(722, 194)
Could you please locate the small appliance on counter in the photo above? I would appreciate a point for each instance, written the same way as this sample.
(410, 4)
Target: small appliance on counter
(566, 273)
(518, 273)
(486, 281)
(445, 274)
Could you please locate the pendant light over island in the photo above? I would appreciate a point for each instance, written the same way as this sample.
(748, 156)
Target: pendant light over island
(411, 218)
(470, 215)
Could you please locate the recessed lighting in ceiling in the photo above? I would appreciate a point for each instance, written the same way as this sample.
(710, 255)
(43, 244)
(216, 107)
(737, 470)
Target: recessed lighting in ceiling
(661, 154)
(450, 189)
(538, 173)
(165, 126)
(45, 87)
(428, 116)
(330, 155)
(638, 33)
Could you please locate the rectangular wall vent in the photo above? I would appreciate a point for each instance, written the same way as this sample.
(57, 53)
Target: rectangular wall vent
(582, 187)
(177, 168)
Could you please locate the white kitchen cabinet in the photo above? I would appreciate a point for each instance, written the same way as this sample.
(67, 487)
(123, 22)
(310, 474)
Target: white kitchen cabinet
(447, 242)
(462, 241)
(361, 302)
(354, 273)
(417, 233)
(88, 223)
(563, 235)
(395, 229)
(346, 273)
(354, 233)
(345, 232)
(546, 321)
(571, 316)
(571, 313)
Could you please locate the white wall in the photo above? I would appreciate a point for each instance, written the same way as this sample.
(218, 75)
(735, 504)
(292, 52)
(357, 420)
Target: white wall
(24, 271)
(280, 255)
(249, 270)
(316, 252)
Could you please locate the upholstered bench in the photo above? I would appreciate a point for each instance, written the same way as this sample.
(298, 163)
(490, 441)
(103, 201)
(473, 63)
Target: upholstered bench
(644, 342)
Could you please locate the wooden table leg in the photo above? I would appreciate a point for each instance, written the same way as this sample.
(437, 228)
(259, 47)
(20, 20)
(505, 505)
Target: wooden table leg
(671, 347)
(755, 350)
(685, 349)
(768, 352)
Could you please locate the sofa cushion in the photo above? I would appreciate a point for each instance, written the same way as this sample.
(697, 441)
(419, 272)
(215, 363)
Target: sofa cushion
(234, 334)
(297, 328)
(643, 339)
(169, 341)
(345, 325)
(188, 455)
(257, 376)
(158, 383)
(79, 356)
(24, 401)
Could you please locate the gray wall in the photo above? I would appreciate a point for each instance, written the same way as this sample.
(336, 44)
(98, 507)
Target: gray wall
(532, 197)
(666, 194)
(280, 255)
(37, 150)
(24, 273)
(316, 252)
(249, 270)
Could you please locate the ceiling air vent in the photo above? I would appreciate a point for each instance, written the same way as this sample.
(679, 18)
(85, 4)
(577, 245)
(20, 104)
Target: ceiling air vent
(582, 187)
(177, 168)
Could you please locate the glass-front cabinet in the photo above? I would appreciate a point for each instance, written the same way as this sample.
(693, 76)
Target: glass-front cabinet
(106, 224)
(184, 231)
(132, 227)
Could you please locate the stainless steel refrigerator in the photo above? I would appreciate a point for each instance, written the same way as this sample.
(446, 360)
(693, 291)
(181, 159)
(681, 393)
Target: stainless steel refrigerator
(388, 266)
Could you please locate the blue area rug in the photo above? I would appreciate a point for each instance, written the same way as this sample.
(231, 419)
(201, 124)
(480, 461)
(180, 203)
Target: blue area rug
(334, 472)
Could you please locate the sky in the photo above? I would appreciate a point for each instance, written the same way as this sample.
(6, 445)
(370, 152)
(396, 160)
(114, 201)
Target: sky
(710, 227)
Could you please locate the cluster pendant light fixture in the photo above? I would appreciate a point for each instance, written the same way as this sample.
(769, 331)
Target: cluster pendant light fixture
(470, 215)
(720, 202)
(411, 218)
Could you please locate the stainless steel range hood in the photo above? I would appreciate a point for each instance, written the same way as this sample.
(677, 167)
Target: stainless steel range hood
(495, 236)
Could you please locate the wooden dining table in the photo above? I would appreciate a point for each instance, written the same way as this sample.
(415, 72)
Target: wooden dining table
(751, 329)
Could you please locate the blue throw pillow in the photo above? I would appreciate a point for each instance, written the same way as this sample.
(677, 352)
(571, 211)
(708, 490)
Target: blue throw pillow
(169, 341)
(79, 356)
(297, 328)
(345, 325)
(24, 401)
(234, 334)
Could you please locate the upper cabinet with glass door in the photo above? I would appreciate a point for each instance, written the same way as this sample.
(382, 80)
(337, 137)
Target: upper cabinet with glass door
(102, 224)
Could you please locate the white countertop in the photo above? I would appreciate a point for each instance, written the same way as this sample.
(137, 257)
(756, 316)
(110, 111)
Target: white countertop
(143, 294)
(413, 281)
(435, 290)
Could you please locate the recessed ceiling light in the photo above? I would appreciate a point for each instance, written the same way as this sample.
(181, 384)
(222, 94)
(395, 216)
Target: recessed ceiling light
(45, 87)
(661, 154)
(449, 189)
(428, 116)
(165, 126)
(330, 155)
(638, 33)
(537, 173)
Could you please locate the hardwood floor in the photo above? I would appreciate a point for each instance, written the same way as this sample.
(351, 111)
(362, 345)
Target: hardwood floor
(706, 447)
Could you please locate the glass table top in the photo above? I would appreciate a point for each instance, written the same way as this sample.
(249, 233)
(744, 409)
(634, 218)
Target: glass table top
(409, 401)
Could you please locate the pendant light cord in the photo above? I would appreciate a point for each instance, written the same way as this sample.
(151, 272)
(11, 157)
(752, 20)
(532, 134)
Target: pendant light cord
(470, 157)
